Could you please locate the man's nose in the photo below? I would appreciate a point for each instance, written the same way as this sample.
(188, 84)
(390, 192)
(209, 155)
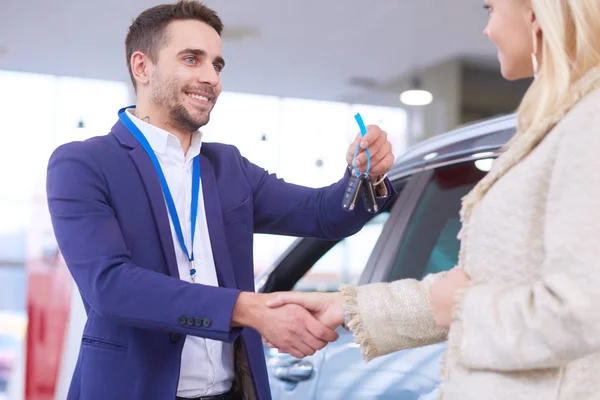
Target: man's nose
(208, 75)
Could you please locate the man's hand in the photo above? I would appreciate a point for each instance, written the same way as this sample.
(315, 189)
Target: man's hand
(290, 328)
(380, 148)
(443, 296)
(326, 307)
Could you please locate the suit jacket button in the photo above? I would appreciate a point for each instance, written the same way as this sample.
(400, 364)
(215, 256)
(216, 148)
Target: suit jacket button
(175, 337)
(190, 321)
(198, 321)
(182, 320)
(207, 322)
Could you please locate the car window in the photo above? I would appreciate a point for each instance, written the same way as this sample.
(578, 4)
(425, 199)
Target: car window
(430, 242)
(344, 262)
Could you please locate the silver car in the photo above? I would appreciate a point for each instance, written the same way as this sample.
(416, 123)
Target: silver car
(414, 236)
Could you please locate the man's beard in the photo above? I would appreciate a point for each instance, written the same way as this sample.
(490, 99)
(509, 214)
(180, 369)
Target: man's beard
(181, 118)
(166, 94)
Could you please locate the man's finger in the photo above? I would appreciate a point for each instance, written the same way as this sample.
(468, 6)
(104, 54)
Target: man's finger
(374, 143)
(380, 153)
(313, 342)
(317, 333)
(382, 166)
(361, 161)
(377, 151)
(293, 343)
(352, 149)
(321, 331)
(309, 342)
(374, 133)
(294, 352)
(303, 348)
(362, 164)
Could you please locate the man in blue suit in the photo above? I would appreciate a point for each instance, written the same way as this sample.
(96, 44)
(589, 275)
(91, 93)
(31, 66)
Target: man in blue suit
(156, 228)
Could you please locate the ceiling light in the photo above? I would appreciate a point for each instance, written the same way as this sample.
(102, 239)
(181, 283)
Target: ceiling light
(415, 96)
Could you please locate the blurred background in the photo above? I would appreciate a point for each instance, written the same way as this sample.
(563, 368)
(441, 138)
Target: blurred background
(296, 74)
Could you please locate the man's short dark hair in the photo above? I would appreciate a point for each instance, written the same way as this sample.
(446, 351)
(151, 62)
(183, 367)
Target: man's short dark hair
(148, 32)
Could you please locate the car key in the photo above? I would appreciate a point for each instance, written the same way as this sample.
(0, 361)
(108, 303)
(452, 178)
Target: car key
(369, 200)
(352, 192)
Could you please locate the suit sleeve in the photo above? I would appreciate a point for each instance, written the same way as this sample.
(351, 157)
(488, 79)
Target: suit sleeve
(288, 209)
(92, 244)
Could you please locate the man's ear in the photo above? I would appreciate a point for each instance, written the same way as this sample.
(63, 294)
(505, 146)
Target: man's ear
(140, 67)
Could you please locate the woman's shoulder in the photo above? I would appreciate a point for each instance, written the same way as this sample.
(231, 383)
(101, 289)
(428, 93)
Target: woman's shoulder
(586, 113)
(582, 122)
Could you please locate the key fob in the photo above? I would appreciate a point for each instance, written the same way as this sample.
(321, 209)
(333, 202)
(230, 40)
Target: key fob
(352, 192)
(369, 199)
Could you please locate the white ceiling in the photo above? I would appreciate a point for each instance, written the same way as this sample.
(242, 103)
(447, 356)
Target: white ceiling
(307, 48)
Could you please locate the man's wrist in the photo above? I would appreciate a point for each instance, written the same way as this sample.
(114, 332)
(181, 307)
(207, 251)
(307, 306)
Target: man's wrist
(247, 310)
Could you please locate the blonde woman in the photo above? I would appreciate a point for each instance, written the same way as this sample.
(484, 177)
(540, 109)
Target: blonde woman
(521, 311)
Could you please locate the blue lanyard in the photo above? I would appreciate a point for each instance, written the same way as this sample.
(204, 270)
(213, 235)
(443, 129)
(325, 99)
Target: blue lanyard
(165, 187)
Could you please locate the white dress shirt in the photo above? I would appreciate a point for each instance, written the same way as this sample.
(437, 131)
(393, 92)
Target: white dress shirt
(206, 365)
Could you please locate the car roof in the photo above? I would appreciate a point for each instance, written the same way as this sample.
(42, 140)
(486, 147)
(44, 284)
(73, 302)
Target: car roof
(478, 140)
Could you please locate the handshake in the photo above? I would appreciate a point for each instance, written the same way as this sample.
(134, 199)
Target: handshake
(301, 323)
(296, 323)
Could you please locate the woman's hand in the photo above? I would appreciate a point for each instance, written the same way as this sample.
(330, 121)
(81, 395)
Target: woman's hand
(326, 307)
(443, 296)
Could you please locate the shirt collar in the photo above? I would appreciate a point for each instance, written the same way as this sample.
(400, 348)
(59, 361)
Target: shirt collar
(162, 141)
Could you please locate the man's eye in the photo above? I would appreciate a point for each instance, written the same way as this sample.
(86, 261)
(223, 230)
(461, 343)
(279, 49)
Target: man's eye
(191, 60)
(218, 67)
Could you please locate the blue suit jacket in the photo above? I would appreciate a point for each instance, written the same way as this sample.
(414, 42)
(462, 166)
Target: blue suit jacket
(112, 227)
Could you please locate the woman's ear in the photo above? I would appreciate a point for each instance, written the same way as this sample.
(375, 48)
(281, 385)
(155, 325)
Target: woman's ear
(535, 26)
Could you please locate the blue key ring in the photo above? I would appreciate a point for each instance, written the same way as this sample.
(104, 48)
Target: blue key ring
(363, 132)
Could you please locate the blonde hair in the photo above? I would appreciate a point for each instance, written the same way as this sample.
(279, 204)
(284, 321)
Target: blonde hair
(569, 70)
(570, 48)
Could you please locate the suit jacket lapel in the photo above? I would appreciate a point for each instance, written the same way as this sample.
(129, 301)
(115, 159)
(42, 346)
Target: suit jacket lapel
(214, 218)
(153, 191)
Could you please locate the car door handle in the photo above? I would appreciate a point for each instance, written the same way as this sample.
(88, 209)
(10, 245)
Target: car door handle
(297, 371)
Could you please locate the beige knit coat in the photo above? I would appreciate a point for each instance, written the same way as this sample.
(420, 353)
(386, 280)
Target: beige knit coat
(528, 326)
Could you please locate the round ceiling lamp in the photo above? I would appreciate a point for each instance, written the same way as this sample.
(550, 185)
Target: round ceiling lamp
(415, 96)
